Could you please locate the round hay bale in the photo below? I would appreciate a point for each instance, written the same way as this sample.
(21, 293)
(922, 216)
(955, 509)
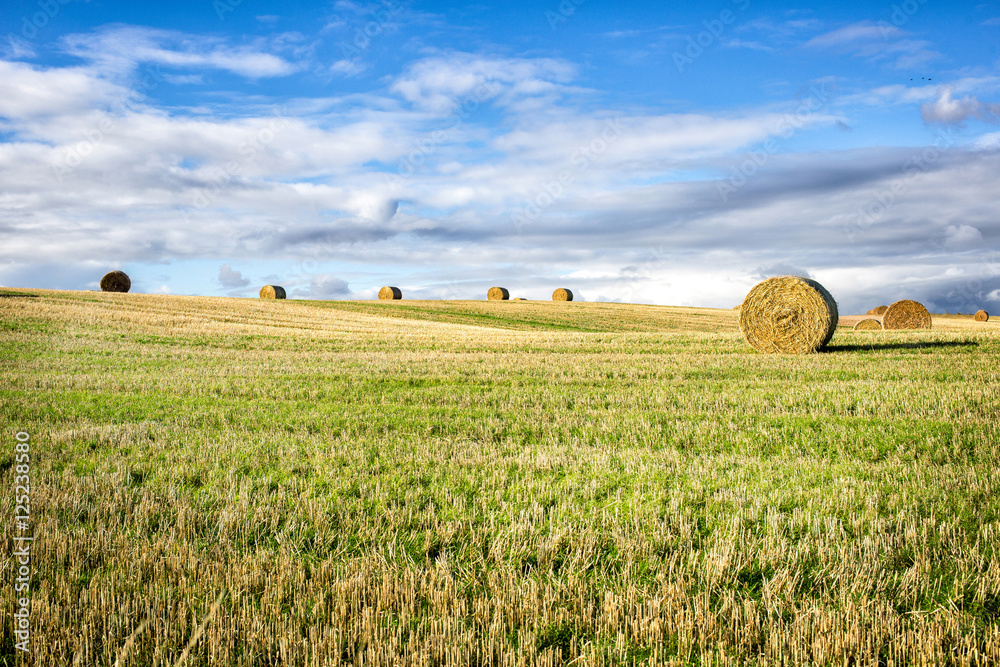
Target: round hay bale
(116, 281)
(737, 307)
(870, 312)
(388, 293)
(906, 314)
(272, 292)
(562, 294)
(788, 314)
(519, 298)
(981, 316)
(868, 324)
(498, 294)
(879, 310)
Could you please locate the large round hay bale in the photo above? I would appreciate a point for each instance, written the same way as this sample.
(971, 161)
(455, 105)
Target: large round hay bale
(981, 316)
(879, 310)
(788, 314)
(116, 281)
(272, 292)
(388, 293)
(906, 314)
(562, 294)
(498, 294)
(868, 324)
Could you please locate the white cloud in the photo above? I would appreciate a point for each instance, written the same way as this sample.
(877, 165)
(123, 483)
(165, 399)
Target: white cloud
(28, 91)
(440, 84)
(230, 278)
(158, 184)
(960, 237)
(348, 67)
(120, 49)
(949, 111)
(877, 42)
(324, 286)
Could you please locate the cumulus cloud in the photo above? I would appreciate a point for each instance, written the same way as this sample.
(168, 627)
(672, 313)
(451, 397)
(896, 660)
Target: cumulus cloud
(440, 84)
(324, 286)
(230, 278)
(960, 237)
(949, 111)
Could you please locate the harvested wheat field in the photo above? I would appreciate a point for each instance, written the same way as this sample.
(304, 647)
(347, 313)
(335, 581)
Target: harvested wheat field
(222, 482)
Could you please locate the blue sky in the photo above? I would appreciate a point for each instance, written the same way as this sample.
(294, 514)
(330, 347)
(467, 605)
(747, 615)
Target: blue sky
(645, 153)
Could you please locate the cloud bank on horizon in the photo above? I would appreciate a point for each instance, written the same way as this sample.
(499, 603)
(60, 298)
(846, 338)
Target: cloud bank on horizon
(650, 154)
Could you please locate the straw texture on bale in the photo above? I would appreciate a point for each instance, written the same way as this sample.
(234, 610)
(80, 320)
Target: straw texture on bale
(498, 294)
(272, 292)
(116, 281)
(388, 293)
(788, 314)
(906, 314)
(981, 316)
(868, 324)
(562, 294)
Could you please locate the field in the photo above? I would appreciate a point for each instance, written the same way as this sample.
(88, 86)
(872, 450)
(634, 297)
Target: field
(246, 482)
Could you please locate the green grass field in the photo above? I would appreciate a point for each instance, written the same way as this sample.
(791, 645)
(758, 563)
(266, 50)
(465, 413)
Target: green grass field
(247, 482)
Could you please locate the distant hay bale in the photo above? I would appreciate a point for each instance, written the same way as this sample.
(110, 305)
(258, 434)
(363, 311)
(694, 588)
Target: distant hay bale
(498, 294)
(737, 307)
(519, 298)
(880, 310)
(870, 312)
(272, 292)
(981, 316)
(788, 314)
(116, 281)
(562, 294)
(388, 293)
(868, 324)
(906, 314)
